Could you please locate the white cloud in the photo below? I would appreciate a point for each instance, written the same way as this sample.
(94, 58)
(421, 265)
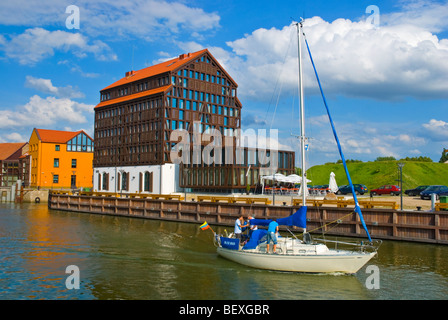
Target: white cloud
(45, 112)
(436, 129)
(46, 86)
(353, 58)
(36, 44)
(429, 15)
(148, 19)
(13, 137)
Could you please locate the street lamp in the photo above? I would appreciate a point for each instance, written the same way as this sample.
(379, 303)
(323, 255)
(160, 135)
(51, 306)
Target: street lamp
(400, 167)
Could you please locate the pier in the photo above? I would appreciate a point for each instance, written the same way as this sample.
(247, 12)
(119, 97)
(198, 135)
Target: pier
(333, 219)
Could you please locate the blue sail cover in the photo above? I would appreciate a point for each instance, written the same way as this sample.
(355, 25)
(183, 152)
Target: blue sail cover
(357, 208)
(298, 219)
(259, 222)
(255, 239)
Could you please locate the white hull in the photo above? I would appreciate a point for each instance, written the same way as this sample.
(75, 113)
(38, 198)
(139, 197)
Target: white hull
(330, 262)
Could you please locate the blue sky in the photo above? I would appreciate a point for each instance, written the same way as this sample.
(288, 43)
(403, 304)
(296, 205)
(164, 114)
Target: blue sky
(386, 80)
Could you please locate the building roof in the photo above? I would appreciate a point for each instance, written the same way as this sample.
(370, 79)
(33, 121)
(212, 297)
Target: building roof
(133, 96)
(160, 68)
(56, 136)
(8, 149)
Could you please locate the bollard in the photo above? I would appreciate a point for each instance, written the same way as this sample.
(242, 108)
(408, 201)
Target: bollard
(433, 201)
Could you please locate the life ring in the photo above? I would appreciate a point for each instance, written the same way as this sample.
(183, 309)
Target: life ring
(37, 200)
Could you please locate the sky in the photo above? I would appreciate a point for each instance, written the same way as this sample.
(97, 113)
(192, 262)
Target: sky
(383, 66)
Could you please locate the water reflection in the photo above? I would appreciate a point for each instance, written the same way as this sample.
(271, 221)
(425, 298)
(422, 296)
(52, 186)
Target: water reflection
(123, 258)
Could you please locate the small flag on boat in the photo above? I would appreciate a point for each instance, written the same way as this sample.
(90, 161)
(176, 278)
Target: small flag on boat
(204, 226)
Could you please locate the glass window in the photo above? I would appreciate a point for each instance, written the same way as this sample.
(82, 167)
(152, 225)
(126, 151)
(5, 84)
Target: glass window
(148, 182)
(80, 143)
(56, 162)
(73, 163)
(57, 147)
(55, 178)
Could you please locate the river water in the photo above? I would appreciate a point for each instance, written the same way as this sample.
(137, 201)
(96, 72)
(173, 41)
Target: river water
(129, 258)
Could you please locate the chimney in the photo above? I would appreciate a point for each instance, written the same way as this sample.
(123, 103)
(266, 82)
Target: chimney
(129, 73)
(182, 56)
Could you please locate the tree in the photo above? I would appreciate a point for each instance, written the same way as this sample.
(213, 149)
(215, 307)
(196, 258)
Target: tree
(444, 157)
(385, 159)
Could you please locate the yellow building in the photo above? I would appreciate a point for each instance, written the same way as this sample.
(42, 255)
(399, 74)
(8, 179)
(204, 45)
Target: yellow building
(61, 159)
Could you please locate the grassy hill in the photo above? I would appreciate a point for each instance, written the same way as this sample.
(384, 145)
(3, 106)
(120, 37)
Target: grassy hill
(377, 173)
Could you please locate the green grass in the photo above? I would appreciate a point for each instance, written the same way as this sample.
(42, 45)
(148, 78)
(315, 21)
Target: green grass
(378, 173)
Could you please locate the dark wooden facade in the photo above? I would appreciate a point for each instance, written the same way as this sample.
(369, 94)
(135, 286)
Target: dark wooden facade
(134, 119)
(137, 115)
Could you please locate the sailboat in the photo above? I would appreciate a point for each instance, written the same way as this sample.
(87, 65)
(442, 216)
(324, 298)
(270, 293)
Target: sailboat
(292, 253)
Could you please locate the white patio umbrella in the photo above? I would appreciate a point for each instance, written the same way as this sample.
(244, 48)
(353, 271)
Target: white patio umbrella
(333, 185)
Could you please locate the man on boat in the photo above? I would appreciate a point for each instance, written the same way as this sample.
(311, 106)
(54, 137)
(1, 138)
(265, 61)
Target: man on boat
(239, 225)
(272, 236)
(252, 227)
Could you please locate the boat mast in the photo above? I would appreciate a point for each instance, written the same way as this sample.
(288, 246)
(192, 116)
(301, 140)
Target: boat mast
(302, 115)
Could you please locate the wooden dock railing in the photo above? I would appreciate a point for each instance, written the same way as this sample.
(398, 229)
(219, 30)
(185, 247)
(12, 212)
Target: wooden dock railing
(335, 219)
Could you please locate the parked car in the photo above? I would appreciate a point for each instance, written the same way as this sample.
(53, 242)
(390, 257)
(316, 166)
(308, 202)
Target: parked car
(416, 191)
(319, 189)
(386, 189)
(438, 190)
(359, 189)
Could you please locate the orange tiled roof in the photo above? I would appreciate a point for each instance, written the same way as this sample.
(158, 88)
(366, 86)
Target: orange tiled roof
(133, 96)
(56, 136)
(160, 68)
(8, 149)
